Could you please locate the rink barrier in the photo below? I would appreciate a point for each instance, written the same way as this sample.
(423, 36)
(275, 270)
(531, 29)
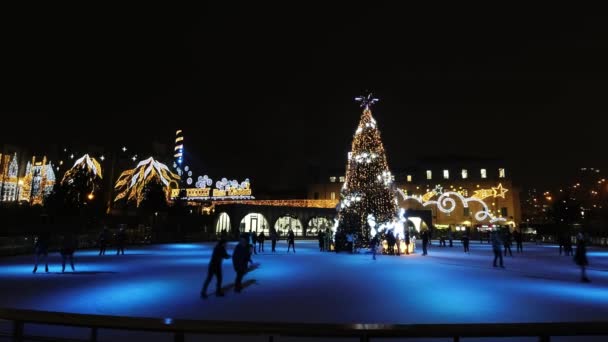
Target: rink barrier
(363, 332)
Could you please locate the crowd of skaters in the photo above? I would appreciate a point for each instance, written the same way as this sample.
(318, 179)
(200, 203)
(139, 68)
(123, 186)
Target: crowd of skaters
(254, 243)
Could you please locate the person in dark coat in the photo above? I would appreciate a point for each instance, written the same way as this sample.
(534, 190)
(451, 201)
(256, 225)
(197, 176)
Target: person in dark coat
(240, 257)
(450, 237)
(254, 239)
(215, 268)
(560, 241)
(407, 242)
(321, 237)
(261, 239)
(291, 241)
(425, 241)
(519, 240)
(465, 242)
(41, 249)
(103, 241)
(67, 250)
(273, 239)
(580, 257)
(568, 246)
(373, 244)
(507, 242)
(496, 246)
(121, 238)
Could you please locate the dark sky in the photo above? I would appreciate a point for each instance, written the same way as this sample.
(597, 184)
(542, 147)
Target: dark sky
(267, 92)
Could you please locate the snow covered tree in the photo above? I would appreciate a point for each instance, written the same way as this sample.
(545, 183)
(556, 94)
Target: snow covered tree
(368, 187)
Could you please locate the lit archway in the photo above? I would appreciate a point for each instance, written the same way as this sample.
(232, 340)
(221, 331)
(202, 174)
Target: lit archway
(317, 224)
(284, 223)
(223, 224)
(254, 222)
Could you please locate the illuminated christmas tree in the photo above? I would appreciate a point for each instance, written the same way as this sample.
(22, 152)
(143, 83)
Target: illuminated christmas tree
(368, 187)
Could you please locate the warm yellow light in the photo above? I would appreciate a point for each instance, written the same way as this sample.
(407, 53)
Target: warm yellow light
(20, 182)
(549, 198)
(91, 196)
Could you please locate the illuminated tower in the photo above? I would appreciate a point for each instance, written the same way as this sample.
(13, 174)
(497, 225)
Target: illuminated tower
(179, 148)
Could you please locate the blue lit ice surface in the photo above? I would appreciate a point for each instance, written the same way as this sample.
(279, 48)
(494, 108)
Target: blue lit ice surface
(163, 281)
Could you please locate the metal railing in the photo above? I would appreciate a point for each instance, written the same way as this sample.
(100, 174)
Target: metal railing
(363, 332)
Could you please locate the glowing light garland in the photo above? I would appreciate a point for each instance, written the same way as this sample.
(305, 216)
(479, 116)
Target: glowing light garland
(131, 183)
(90, 165)
(446, 204)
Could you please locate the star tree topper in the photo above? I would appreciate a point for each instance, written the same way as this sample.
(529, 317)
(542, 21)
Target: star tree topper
(366, 101)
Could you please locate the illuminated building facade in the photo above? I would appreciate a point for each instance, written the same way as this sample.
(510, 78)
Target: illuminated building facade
(9, 179)
(478, 196)
(38, 181)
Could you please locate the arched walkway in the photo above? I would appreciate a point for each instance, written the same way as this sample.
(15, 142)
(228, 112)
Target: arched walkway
(222, 224)
(285, 223)
(317, 223)
(255, 222)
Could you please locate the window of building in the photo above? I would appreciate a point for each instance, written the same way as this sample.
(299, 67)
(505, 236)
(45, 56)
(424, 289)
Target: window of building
(409, 178)
(484, 173)
(446, 174)
(466, 211)
(333, 195)
(502, 173)
(316, 195)
(341, 179)
(465, 174)
(332, 179)
(429, 174)
(504, 212)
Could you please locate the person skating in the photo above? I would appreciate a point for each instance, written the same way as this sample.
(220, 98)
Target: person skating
(273, 240)
(496, 246)
(321, 237)
(373, 244)
(215, 268)
(407, 242)
(121, 238)
(450, 237)
(519, 240)
(261, 239)
(291, 241)
(254, 238)
(67, 250)
(240, 257)
(103, 240)
(580, 257)
(507, 243)
(465, 242)
(41, 249)
(568, 246)
(425, 241)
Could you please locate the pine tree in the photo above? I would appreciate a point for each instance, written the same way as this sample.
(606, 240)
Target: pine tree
(368, 187)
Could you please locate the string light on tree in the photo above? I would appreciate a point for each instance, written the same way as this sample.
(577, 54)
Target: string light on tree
(368, 186)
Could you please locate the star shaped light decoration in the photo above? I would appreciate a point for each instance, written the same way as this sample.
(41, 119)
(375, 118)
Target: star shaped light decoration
(366, 101)
(438, 189)
(499, 191)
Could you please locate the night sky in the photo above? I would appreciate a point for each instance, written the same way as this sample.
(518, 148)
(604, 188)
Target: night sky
(267, 92)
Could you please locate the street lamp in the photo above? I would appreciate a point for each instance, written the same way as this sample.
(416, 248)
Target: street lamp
(91, 196)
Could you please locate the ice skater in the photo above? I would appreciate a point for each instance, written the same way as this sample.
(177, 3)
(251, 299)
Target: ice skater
(253, 239)
(240, 257)
(496, 246)
(261, 239)
(425, 242)
(67, 250)
(41, 249)
(450, 237)
(273, 240)
(215, 269)
(465, 242)
(120, 241)
(407, 242)
(321, 237)
(568, 246)
(580, 257)
(291, 241)
(103, 240)
(519, 240)
(507, 243)
(373, 244)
